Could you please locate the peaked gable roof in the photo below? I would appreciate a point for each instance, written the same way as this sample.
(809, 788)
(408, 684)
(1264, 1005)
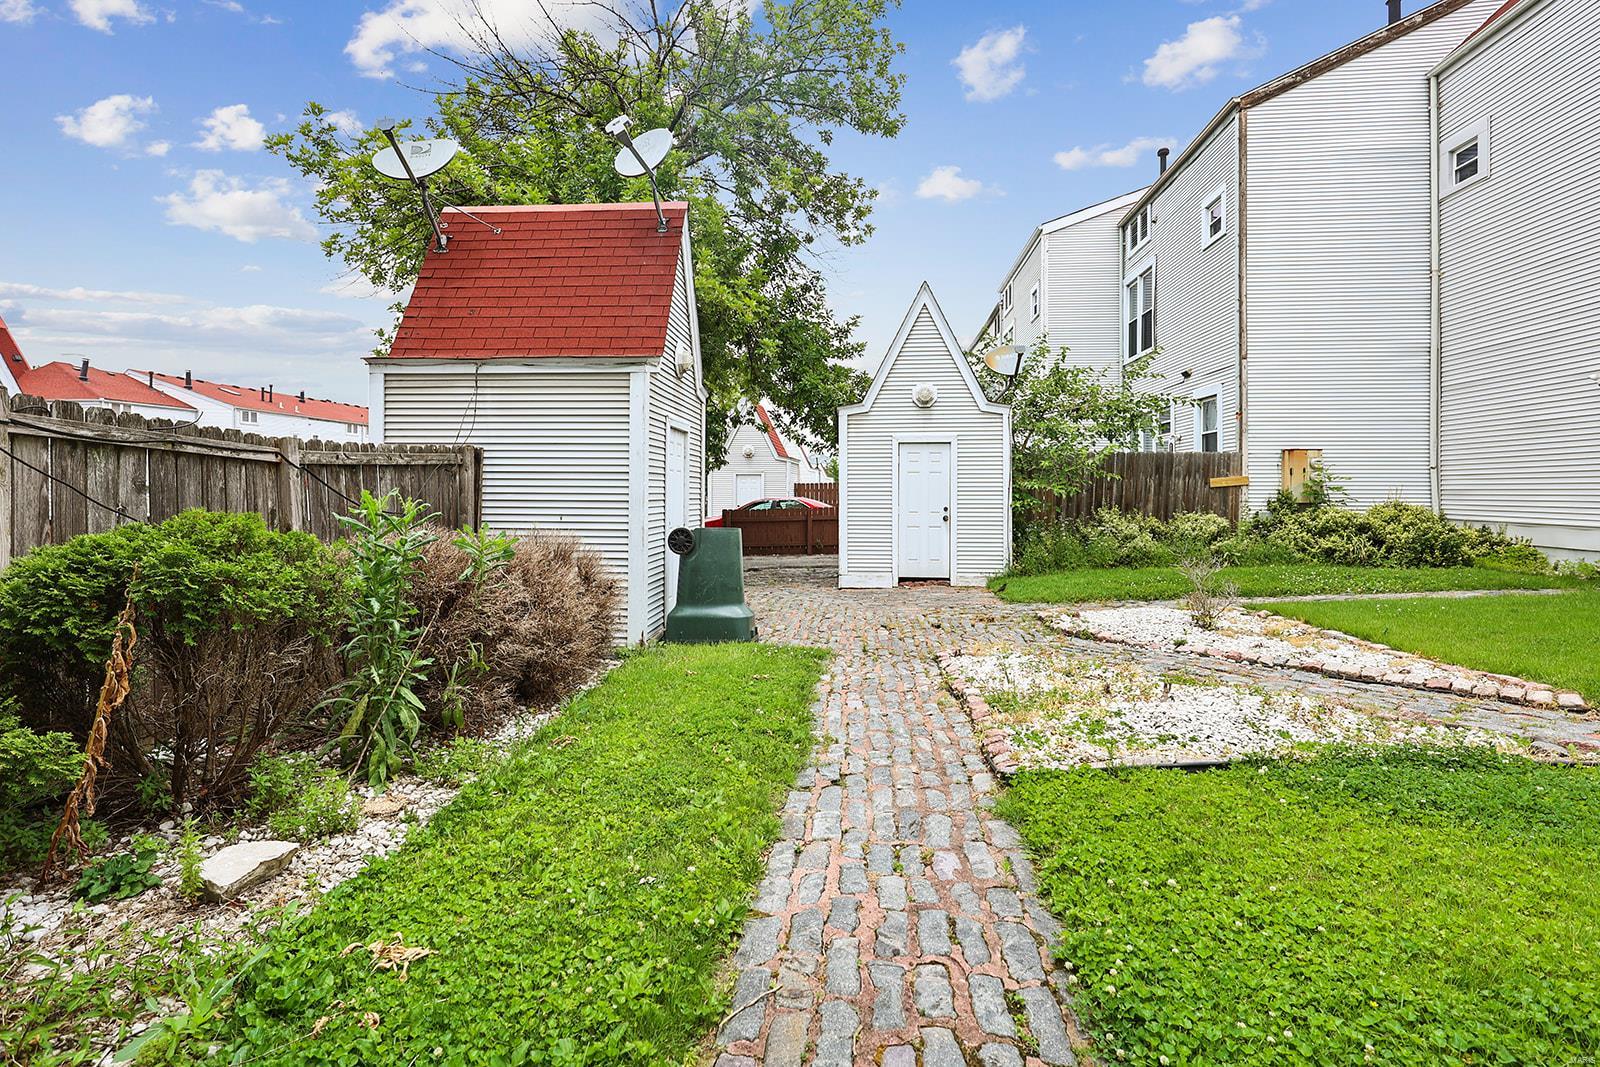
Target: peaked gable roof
(925, 301)
(546, 280)
(770, 428)
(239, 396)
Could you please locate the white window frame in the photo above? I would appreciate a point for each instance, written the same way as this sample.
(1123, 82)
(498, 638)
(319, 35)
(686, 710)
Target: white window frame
(1219, 196)
(1200, 420)
(1139, 226)
(1005, 298)
(247, 415)
(1461, 137)
(1138, 271)
(1033, 302)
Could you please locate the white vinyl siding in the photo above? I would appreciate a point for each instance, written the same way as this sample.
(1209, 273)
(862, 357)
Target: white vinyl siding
(1520, 403)
(1197, 288)
(778, 475)
(1338, 304)
(1018, 320)
(674, 401)
(980, 501)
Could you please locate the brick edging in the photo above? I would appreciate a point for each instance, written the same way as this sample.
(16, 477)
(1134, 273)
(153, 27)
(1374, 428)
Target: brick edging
(993, 742)
(1503, 688)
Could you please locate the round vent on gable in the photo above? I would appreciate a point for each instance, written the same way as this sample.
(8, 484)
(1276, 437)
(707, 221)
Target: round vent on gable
(749, 452)
(924, 396)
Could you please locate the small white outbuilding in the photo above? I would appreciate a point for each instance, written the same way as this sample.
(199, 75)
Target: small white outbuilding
(924, 465)
(759, 465)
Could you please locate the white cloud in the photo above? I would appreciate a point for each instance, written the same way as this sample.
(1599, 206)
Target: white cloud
(108, 123)
(231, 127)
(97, 14)
(20, 12)
(220, 202)
(158, 148)
(250, 268)
(990, 68)
(407, 27)
(946, 183)
(346, 122)
(79, 293)
(1127, 155)
(1193, 58)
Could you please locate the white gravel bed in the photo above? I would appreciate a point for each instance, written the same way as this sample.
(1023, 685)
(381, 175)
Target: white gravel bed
(1079, 711)
(1262, 637)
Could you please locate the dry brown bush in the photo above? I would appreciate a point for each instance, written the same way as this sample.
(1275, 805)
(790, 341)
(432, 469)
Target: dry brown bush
(534, 631)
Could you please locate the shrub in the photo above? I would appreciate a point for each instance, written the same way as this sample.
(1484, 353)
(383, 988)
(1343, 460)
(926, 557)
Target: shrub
(234, 621)
(529, 633)
(35, 769)
(301, 800)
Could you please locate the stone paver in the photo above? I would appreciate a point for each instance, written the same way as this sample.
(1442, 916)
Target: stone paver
(892, 914)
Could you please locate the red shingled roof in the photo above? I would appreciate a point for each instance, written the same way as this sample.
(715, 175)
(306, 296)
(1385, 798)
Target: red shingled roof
(558, 280)
(1499, 13)
(61, 381)
(282, 403)
(771, 429)
(10, 351)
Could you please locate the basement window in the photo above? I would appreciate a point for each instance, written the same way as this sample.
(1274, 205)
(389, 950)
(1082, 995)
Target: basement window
(1464, 157)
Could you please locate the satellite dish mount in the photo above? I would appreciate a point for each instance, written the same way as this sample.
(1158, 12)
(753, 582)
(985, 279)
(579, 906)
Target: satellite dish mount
(413, 162)
(640, 157)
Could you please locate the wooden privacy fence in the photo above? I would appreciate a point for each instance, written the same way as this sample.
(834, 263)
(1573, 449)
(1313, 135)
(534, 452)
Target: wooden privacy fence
(65, 471)
(827, 492)
(787, 531)
(1161, 484)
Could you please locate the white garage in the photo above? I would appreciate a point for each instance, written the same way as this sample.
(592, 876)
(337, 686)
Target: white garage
(924, 466)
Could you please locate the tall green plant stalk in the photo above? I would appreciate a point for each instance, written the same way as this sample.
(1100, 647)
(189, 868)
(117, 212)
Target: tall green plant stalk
(378, 700)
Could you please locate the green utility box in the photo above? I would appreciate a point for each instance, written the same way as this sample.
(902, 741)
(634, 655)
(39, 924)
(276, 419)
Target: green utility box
(711, 603)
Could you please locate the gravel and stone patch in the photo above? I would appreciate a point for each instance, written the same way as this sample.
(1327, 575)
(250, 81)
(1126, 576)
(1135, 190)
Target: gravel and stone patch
(1048, 708)
(1260, 637)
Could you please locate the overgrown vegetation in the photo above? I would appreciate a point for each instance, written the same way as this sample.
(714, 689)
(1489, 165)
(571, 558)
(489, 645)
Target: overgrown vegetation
(575, 900)
(236, 625)
(1550, 638)
(122, 875)
(1397, 906)
(35, 771)
(300, 800)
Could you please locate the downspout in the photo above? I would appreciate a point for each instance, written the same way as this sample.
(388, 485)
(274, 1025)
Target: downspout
(1435, 317)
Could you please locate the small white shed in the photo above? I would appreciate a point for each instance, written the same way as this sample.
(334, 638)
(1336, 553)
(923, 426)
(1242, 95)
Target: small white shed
(563, 341)
(759, 465)
(924, 465)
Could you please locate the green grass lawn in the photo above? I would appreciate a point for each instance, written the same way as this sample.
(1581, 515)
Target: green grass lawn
(1409, 908)
(1553, 639)
(577, 900)
(1290, 579)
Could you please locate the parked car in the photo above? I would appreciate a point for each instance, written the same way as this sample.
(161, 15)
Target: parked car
(774, 503)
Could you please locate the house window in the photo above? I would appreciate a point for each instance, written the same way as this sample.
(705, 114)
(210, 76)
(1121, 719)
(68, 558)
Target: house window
(1209, 437)
(1138, 229)
(1159, 439)
(353, 427)
(1005, 299)
(1033, 302)
(1141, 297)
(1214, 220)
(1464, 157)
(249, 416)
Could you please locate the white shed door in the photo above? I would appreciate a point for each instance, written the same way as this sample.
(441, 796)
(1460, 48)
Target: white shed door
(748, 487)
(677, 501)
(923, 519)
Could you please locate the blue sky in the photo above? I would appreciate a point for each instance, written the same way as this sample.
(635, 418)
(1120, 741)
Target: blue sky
(146, 228)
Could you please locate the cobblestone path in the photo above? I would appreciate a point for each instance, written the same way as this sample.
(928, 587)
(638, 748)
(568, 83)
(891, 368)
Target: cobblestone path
(896, 919)
(896, 924)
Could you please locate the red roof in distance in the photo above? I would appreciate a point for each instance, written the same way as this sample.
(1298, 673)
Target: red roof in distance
(771, 430)
(282, 403)
(558, 280)
(63, 381)
(10, 351)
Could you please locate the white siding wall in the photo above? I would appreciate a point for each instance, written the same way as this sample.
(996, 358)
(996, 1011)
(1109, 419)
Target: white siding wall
(980, 504)
(779, 474)
(1025, 329)
(676, 402)
(1082, 298)
(555, 446)
(1197, 290)
(1338, 305)
(1520, 255)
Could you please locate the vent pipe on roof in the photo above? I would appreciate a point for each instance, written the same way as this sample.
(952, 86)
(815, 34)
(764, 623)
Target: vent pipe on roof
(83, 371)
(1162, 154)
(188, 379)
(152, 379)
(302, 396)
(1394, 12)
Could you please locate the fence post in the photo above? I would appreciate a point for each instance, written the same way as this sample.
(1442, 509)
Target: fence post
(7, 504)
(809, 542)
(291, 485)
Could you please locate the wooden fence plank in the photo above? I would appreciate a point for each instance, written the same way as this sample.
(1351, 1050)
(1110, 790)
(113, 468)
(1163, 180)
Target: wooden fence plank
(1160, 484)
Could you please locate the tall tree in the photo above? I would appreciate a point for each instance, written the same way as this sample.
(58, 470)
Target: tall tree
(754, 103)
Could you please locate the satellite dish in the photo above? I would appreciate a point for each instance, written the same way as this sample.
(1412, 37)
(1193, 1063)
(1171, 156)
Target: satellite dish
(1006, 360)
(425, 158)
(652, 147)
